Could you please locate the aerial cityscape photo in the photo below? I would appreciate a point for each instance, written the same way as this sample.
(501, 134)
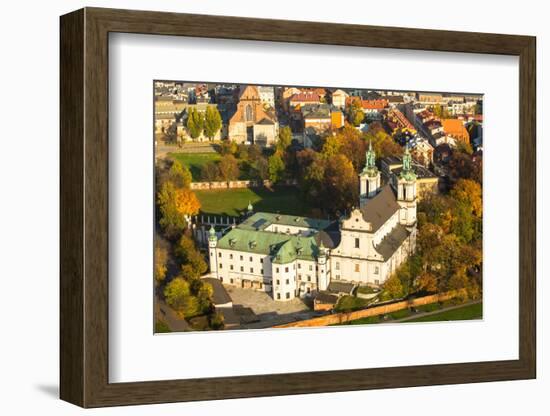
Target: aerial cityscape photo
(292, 206)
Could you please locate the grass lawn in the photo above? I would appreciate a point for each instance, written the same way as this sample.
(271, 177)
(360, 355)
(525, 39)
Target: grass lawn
(286, 200)
(460, 314)
(350, 303)
(195, 161)
(363, 321)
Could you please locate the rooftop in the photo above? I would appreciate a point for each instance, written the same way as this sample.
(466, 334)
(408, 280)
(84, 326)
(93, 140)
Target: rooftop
(380, 208)
(392, 241)
(261, 220)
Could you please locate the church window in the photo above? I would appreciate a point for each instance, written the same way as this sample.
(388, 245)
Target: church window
(278, 282)
(357, 267)
(278, 296)
(310, 267)
(251, 270)
(337, 265)
(248, 113)
(231, 256)
(287, 295)
(376, 270)
(241, 258)
(277, 270)
(356, 243)
(231, 281)
(286, 269)
(262, 271)
(230, 267)
(337, 277)
(242, 269)
(221, 266)
(261, 260)
(250, 259)
(308, 278)
(219, 255)
(287, 282)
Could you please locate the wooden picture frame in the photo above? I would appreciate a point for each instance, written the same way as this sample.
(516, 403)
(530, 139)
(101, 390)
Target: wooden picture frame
(84, 207)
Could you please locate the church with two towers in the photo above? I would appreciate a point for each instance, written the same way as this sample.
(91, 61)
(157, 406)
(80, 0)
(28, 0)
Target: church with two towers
(289, 256)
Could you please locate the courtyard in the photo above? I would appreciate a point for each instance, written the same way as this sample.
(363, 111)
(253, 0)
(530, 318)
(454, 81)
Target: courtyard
(268, 311)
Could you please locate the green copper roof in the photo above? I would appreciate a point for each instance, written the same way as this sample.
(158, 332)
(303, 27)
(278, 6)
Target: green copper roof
(261, 220)
(370, 168)
(212, 234)
(284, 248)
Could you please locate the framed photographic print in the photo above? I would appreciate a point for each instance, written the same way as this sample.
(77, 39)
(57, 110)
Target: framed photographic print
(287, 202)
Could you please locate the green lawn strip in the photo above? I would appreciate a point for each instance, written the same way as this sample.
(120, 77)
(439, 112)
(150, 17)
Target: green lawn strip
(430, 307)
(195, 161)
(400, 314)
(467, 312)
(367, 290)
(350, 303)
(233, 202)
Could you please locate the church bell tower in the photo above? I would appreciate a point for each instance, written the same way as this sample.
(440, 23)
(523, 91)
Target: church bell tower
(369, 178)
(406, 191)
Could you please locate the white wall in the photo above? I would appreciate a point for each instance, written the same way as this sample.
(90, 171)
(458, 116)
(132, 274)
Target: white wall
(29, 221)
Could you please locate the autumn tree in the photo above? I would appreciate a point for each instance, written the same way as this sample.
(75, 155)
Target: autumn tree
(210, 172)
(187, 253)
(393, 287)
(195, 123)
(186, 202)
(469, 191)
(340, 184)
(171, 221)
(229, 168)
(161, 260)
(355, 113)
(212, 121)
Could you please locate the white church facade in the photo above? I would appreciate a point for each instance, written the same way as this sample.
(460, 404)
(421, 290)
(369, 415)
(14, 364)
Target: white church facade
(289, 256)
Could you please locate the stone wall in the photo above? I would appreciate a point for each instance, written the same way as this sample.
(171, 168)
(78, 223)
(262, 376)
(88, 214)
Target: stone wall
(238, 184)
(338, 318)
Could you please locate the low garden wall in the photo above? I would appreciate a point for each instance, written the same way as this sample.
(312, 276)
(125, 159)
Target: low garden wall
(238, 184)
(339, 318)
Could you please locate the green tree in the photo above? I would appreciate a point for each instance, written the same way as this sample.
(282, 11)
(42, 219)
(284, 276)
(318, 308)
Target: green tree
(228, 147)
(212, 121)
(216, 321)
(285, 138)
(195, 123)
(254, 152)
(229, 168)
(261, 168)
(180, 175)
(276, 168)
(177, 294)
